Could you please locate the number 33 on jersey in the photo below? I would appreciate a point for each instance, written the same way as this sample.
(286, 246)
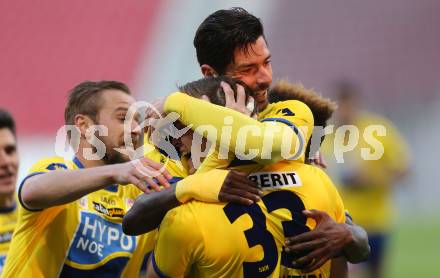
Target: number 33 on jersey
(229, 240)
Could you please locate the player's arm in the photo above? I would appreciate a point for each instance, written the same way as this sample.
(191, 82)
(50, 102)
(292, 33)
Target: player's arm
(215, 185)
(45, 188)
(356, 250)
(330, 238)
(246, 133)
(148, 211)
(339, 268)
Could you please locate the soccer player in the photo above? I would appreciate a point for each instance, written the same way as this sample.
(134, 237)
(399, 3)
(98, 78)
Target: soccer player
(232, 42)
(223, 243)
(70, 212)
(360, 188)
(224, 185)
(141, 213)
(149, 210)
(8, 178)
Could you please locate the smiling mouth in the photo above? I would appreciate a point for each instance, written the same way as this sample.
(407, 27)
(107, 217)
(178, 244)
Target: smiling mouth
(6, 178)
(261, 96)
(135, 143)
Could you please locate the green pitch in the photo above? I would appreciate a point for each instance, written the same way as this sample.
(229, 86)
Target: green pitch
(415, 249)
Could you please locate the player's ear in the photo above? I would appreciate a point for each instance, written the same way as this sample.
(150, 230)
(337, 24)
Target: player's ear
(208, 71)
(83, 122)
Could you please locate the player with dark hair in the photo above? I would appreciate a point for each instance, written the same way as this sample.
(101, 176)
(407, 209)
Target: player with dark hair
(250, 64)
(210, 89)
(232, 42)
(8, 178)
(217, 246)
(239, 36)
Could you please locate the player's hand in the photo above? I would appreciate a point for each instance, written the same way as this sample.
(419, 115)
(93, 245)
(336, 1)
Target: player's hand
(156, 108)
(153, 113)
(325, 242)
(237, 188)
(319, 160)
(239, 104)
(144, 173)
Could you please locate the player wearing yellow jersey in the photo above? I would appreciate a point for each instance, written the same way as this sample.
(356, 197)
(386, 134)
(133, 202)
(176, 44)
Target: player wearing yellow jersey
(177, 162)
(227, 240)
(216, 248)
(368, 183)
(70, 212)
(8, 178)
(232, 43)
(224, 185)
(150, 210)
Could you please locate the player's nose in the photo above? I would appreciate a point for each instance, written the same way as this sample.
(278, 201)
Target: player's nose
(136, 128)
(264, 77)
(4, 159)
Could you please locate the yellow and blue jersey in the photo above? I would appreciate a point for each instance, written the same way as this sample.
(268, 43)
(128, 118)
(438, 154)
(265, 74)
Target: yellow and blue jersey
(292, 113)
(178, 169)
(228, 240)
(377, 176)
(8, 220)
(281, 135)
(80, 238)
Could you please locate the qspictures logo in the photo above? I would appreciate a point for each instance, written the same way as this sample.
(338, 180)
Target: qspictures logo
(163, 132)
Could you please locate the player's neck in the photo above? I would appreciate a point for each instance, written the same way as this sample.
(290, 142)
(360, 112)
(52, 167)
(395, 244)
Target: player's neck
(88, 163)
(7, 202)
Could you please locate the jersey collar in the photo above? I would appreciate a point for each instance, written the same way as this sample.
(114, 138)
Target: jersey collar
(9, 209)
(78, 163)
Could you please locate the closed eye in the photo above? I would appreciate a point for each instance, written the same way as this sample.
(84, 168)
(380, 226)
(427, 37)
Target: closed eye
(11, 149)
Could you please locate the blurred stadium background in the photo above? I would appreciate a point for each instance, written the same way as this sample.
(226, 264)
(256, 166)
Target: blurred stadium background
(390, 49)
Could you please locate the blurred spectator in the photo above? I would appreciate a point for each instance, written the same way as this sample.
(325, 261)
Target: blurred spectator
(366, 183)
(8, 179)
